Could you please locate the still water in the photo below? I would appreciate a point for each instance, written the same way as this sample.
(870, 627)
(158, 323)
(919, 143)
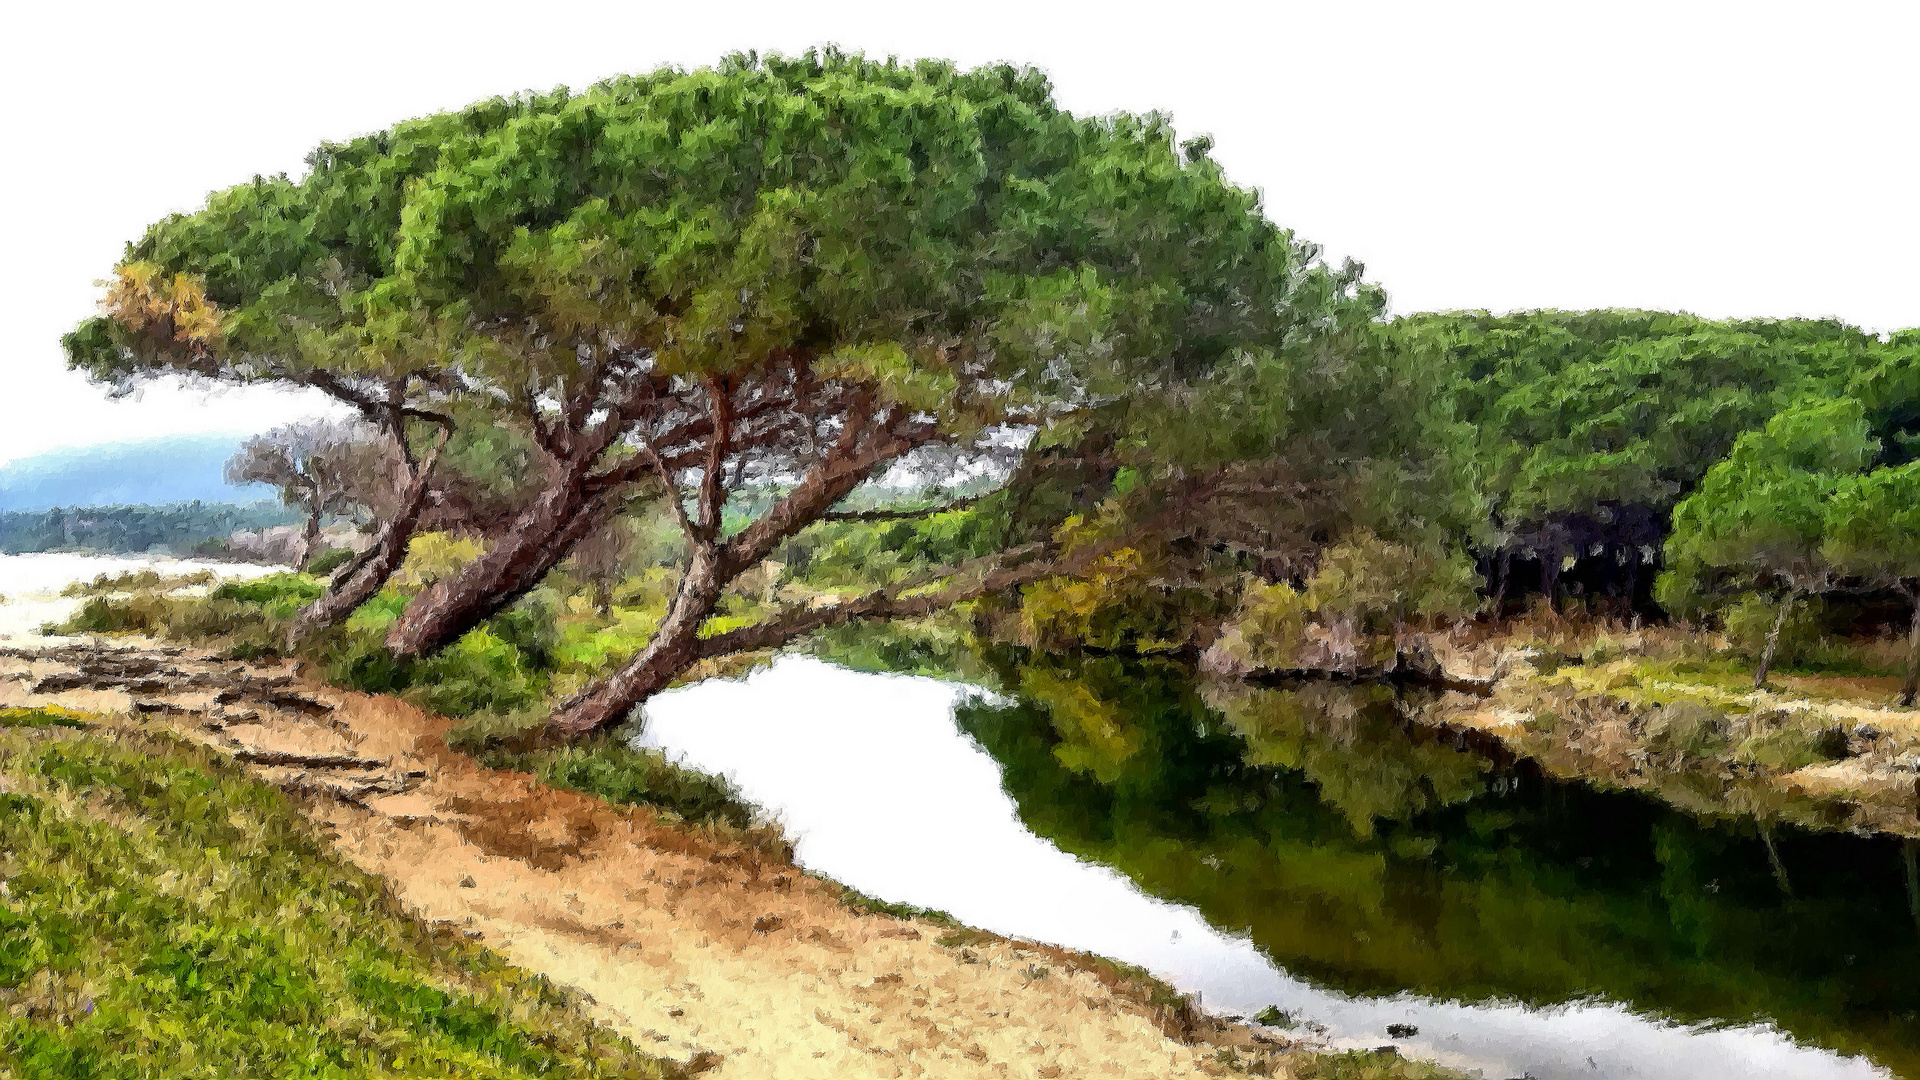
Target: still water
(1301, 848)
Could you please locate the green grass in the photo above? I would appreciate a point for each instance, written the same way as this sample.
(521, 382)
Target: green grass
(860, 902)
(163, 916)
(39, 718)
(1366, 1065)
(612, 771)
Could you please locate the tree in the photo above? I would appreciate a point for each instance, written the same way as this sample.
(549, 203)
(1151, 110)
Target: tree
(785, 274)
(256, 327)
(1763, 511)
(1873, 531)
(319, 466)
(1591, 426)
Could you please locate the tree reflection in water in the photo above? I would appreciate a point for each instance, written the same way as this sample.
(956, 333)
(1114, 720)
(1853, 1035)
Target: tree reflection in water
(1373, 857)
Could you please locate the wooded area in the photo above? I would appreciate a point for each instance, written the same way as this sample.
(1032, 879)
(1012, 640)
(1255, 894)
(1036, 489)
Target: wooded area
(739, 355)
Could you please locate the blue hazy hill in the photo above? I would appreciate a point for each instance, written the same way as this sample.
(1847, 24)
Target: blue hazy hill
(175, 469)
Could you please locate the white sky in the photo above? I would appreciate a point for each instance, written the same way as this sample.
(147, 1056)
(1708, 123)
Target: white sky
(1728, 159)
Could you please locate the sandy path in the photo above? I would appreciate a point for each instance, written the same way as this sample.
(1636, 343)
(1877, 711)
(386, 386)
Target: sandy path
(719, 955)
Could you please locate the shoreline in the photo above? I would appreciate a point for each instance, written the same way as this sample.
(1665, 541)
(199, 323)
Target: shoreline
(527, 869)
(1823, 753)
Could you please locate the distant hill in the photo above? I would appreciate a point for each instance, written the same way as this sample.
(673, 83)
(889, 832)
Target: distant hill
(177, 469)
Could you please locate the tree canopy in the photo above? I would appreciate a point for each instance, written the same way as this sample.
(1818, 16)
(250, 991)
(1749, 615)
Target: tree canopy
(1762, 513)
(787, 273)
(1588, 428)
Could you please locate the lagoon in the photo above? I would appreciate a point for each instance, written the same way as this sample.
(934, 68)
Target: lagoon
(1524, 927)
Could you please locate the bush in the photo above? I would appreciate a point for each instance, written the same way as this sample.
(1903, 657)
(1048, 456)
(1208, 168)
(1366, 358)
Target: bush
(478, 672)
(329, 560)
(1750, 620)
(99, 615)
(279, 595)
(356, 657)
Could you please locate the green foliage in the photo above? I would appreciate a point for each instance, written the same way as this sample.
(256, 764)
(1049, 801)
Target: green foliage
(1872, 526)
(873, 213)
(1266, 629)
(478, 672)
(278, 595)
(1749, 620)
(607, 768)
(178, 528)
(1377, 585)
(329, 560)
(1577, 410)
(1120, 602)
(135, 580)
(166, 917)
(1762, 513)
(39, 717)
(201, 620)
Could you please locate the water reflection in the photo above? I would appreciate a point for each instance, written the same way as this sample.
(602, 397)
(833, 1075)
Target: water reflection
(1524, 928)
(1377, 858)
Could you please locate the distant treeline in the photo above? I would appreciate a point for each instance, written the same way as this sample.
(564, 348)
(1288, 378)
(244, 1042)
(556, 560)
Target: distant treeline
(176, 528)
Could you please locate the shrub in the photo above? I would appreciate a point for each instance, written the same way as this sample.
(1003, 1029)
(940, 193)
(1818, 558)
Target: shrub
(279, 595)
(329, 560)
(356, 657)
(1750, 619)
(478, 672)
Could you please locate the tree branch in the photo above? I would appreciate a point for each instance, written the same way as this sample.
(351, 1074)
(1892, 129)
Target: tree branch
(888, 602)
(713, 478)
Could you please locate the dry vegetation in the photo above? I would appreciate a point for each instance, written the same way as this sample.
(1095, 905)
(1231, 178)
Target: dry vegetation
(1672, 709)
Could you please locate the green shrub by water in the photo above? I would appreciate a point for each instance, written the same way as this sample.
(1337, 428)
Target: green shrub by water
(163, 916)
(604, 766)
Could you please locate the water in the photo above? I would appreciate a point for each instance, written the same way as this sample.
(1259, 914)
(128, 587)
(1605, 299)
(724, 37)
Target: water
(1301, 849)
(31, 583)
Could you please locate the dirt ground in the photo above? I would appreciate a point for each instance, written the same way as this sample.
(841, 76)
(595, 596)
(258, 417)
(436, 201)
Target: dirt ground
(714, 953)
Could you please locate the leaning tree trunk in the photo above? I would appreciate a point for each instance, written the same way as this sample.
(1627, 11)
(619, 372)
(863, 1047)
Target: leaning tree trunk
(1911, 685)
(674, 648)
(1773, 642)
(312, 537)
(356, 582)
(539, 538)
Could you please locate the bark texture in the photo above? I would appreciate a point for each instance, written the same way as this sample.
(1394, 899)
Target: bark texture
(1910, 686)
(359, 578)
(540, 537)
(1773, 642)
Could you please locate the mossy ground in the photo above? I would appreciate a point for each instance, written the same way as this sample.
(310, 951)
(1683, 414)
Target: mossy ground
(164, 916)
